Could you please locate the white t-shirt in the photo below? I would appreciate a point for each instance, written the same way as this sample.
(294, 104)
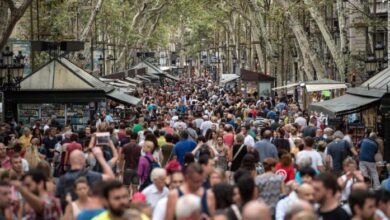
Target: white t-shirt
(249, 141)
(301, 121)
(316, 159)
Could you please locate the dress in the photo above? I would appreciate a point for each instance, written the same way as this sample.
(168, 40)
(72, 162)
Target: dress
(221, 162)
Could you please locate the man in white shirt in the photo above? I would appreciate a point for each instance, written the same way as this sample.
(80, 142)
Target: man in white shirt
(157, 190)
(301, 120)
(177, 178)
(206, 125)
(316, 160)
(249, 141)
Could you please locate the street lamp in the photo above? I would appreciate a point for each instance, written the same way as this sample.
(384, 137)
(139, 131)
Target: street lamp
(370, 65)
(11, 70)
(379, 53)
(101, 60)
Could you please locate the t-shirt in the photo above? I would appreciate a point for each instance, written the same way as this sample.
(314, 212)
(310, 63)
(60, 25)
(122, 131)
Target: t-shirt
(338, 213)
(49, 143)
(338, 150)
(137, 128)
(368, 149)
(288, 173)
(132, 153)
(316, 159)
(182, 147)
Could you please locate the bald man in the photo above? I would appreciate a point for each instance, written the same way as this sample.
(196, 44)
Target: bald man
(77, 169)
(256, 210)
(305, 192)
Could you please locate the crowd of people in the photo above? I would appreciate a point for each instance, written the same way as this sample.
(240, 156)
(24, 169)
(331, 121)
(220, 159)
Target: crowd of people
(193, 151)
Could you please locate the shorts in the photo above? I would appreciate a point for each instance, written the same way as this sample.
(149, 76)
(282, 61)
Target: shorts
(130, 176)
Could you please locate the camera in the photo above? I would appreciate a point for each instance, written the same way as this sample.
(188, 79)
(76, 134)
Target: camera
(102, 138)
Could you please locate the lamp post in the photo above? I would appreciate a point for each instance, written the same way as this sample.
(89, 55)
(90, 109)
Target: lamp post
(101, 60)
(379, 54)
(11, 70)
(370, 65)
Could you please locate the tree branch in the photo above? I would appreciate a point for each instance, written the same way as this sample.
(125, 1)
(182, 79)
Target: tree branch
(11, 5)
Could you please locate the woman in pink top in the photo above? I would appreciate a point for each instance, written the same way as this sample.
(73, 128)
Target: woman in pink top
(228, 138)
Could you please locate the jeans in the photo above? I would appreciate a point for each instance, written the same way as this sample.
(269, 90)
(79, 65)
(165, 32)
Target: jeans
(368, 169)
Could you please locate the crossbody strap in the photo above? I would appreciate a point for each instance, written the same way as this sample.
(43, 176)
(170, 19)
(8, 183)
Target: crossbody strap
(238, 152)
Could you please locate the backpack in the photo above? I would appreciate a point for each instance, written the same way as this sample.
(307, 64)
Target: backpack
(152, 164)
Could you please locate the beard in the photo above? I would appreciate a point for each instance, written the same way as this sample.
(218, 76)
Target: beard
(117, 212)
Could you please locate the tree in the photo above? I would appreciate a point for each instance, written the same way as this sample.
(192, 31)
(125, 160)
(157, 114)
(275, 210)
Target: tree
(10, 14)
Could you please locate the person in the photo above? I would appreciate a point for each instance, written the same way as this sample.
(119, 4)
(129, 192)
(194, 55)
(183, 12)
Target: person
(77, 169)
(338, 150)
(188, 207)
(176, 179)
(94, 207)
(74, 208)
(157, 190)
(207, 164)
(145, 165)
(285, 168)
(351, 175)
(265, 148)
(16, 166)
(383, 204)
(205, 125)
(270, 185)
(192, 185)
(300, 120)
(129, 160)
(238, 151)
(224, 195)
(280, 142)
(5, 161)
(116, 197)
(311, 129)
(308, 151)
(33, 189)
(50, 142)
(362, 204)
(222, 156)
(25, 139)
(183, 146)
(167, 150)
(256, 210)
(326, 191)
(71, 146)
(249, 141)
(368, 148)
(32, 155)
(5, 199)
(244, 192)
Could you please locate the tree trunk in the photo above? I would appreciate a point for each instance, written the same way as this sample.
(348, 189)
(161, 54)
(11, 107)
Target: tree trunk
(334, 51)
(88, 27)
(308, 55)
(10, 14)
(260, 24)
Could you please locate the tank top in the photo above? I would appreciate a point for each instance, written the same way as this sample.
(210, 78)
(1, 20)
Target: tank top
(76, 209)
(205, 208)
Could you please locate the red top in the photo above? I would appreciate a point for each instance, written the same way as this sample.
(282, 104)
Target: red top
(228, 139)
(288, 173)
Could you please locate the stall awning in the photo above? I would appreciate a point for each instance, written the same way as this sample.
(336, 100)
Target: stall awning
(123, 98)
(169, 76)
(343, 105)
(286, 86)
(321, 87)
(228, 78)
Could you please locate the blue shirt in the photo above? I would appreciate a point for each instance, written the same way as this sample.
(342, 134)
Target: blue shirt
(368, 149)
(182, 147)
(266, 149)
